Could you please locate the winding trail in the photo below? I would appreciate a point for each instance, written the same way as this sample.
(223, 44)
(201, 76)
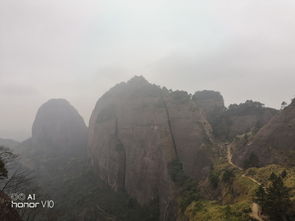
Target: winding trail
(255, 208)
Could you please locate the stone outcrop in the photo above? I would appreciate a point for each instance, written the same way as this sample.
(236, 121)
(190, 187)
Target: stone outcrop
(211, 102)
(137, 129)
(273, 143)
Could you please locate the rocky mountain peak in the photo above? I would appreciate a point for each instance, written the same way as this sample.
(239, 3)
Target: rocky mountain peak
(138, 80)
(58, 123)
(209, 100)
(137, 130)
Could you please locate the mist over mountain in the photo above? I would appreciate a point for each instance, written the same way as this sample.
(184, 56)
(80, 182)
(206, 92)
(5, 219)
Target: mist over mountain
(59, 126)
(152, 110)
(8, 143)
(155, 154)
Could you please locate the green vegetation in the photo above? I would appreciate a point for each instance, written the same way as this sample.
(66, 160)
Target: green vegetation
(251, 161)
(228, 176)
(275, 199)
(176, 172)
(222, 121)
(180, 96)
(213, 211)
(233, 191)
(262, 175)
(214, 179)
(187, 186)
(3, 171)
(249, 107)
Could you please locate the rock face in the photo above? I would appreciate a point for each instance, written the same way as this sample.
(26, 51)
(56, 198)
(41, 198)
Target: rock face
(137, 129)
(59, 125)
(274, 143)
(210, 101)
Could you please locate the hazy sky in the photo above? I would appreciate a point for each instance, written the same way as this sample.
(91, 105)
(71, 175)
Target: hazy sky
(78, 49)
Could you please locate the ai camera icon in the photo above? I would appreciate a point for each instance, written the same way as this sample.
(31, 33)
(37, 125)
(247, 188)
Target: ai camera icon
(18, 196)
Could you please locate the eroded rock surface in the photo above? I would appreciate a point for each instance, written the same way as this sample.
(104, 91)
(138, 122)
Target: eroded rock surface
(137, 129)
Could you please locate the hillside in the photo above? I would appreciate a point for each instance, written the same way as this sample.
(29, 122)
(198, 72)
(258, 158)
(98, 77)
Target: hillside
(272, 144)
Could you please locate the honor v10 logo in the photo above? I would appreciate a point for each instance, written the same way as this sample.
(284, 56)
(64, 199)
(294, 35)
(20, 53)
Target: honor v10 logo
(20, 200)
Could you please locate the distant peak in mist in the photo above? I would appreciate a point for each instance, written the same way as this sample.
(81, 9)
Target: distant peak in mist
(138, 79)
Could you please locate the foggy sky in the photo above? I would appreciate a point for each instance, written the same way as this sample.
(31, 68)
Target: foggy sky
(78, 49)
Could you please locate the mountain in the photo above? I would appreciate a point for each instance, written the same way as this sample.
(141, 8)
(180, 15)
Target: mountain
(272, 144)
(59, 134)
(56, 154)
(235, 120)
(138, 130)
(8, 143)
(155, 154)
(59, 126)
(211, 102)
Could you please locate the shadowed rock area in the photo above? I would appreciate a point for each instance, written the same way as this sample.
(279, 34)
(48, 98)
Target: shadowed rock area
(274, 143)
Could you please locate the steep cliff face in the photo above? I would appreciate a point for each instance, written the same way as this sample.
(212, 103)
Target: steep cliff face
(191, 131)
(137, 129)
(274, 143)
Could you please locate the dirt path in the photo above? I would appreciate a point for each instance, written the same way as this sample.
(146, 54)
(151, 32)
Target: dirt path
(255, 214)
(229, 158)
(255, 209)
(252, 179)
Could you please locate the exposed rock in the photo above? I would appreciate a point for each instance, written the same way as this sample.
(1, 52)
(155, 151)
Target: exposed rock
(274, 143)
(211, 102)
(191, 131)
(137, 129)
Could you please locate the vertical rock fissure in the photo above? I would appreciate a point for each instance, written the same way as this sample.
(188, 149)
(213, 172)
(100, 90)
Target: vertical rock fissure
(170, 127)
(123, 151)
